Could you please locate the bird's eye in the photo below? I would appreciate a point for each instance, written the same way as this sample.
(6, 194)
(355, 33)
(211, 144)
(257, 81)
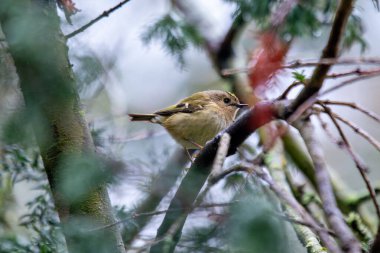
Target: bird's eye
(226, 100)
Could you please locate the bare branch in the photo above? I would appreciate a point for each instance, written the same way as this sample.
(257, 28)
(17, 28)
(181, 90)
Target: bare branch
(359, 131)
(90, 23)
(313, 98)
(330, 51)
(355, 106)
(350, 81)
(288, 89)
(134, 216)
(312, 63)
(358, 71)
(332, 61)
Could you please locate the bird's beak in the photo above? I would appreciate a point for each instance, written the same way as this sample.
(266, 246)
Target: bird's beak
(240, 105)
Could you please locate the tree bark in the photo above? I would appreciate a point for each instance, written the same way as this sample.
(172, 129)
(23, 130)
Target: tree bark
(40, 53)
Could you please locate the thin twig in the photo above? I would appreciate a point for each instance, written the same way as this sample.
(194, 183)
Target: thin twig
(154, 213)
(354, 127)
(233, 169)
(312, 63)
(350, 81)
(313, 98)
(332, 61)
(357, 71)
(359, 131)
(303, 223)
(355, 106)
(288, 89)
(103, 15)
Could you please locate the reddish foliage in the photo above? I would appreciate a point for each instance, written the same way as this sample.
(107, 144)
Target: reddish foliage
(267, 59)
(68, 7)
(262, 113)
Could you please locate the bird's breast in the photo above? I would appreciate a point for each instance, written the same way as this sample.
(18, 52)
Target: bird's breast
(198, 127)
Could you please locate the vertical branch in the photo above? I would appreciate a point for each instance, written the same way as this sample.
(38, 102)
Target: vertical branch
(40, 53)
(331, 50)
(335, 218)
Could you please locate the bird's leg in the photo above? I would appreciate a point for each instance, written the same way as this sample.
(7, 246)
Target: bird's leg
(195, 144)
(189, 156)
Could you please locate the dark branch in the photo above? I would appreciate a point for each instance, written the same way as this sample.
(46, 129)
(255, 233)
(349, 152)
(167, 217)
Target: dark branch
(330, 51)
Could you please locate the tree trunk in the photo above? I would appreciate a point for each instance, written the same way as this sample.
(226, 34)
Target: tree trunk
(38, 47)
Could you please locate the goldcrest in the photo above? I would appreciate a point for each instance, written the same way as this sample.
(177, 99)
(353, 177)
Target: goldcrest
(196, 119)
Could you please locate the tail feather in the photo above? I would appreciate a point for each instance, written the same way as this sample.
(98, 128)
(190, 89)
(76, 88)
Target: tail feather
(142, 117)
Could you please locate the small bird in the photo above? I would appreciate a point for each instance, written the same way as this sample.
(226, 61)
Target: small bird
(196, 119)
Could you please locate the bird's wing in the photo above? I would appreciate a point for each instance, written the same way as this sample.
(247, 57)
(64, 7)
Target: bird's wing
(184, 106)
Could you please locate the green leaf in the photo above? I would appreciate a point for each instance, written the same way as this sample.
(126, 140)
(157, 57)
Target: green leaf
(299, 76)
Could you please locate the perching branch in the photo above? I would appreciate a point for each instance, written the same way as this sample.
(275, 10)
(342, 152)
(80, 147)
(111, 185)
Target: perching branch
(52, 101)
(166, 241)
(90, 23)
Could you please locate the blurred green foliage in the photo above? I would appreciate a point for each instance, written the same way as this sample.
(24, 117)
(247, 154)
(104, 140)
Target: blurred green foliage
(41, 224)
(253, 225)
(306, 19)
(354, 33)
(176, 35)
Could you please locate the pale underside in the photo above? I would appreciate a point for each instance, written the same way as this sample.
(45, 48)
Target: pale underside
(190, 129)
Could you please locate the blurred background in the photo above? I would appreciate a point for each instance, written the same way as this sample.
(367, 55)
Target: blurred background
(120, 72)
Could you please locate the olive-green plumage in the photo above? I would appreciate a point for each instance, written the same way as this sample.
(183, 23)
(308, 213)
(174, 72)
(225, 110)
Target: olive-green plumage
(196, 119)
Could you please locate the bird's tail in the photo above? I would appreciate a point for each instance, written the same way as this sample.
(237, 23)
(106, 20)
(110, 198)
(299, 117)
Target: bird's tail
(142, 117)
